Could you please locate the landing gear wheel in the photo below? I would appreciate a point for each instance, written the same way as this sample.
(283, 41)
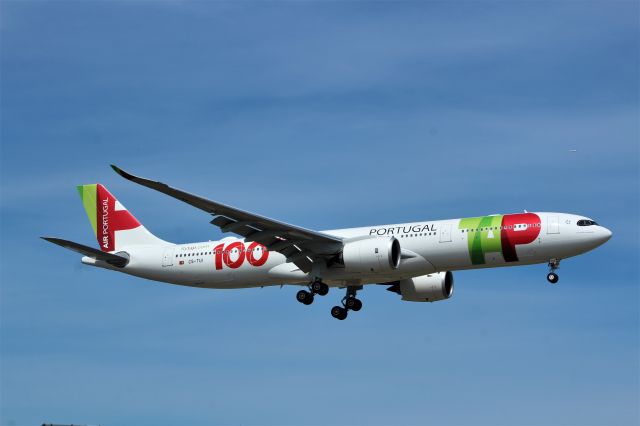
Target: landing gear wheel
(554, 264)
(353, 304)
(338, 312)
(304, 297)
(320, 288)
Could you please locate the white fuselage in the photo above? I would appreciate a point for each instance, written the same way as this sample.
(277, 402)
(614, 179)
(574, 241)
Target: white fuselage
(427, 247)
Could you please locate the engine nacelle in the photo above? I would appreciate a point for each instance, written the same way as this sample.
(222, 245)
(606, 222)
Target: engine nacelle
(372, 255)
(425, 288)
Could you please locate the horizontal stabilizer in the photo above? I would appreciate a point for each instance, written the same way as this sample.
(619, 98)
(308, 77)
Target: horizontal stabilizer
(111, 259)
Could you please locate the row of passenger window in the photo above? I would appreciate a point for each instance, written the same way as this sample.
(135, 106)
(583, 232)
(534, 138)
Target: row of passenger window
(500, 228)
(214, 252)
(425, 234)
(194, 254)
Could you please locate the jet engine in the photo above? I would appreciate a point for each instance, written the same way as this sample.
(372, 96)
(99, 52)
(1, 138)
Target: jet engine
(425, 288)
(371, 255)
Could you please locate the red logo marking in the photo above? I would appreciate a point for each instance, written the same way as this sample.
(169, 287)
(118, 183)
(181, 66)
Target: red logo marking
(226, 255)
(223, 255)
(264, 254)
(511, 236)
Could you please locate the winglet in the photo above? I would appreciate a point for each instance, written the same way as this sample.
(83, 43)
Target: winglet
(121, 172)
(140, 180)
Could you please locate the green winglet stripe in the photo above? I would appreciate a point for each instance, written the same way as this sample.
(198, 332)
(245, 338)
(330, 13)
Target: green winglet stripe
(88, 194)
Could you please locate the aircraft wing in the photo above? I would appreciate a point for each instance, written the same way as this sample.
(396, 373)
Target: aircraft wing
(300, 246)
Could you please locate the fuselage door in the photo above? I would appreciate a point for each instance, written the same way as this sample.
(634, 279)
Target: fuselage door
(445, 233)
(553, 225)
(167, 257)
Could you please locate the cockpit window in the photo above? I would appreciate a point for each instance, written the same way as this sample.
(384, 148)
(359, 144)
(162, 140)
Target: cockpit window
(585, 222)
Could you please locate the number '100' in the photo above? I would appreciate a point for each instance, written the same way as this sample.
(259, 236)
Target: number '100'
(256, 254)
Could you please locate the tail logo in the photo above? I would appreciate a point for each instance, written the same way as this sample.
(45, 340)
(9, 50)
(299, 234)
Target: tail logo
(106, 214)
(114, 217)
(105, 223)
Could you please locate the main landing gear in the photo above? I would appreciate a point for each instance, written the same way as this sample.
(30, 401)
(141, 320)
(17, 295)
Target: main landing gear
(349, 303)
(552, 277)
(316, 287)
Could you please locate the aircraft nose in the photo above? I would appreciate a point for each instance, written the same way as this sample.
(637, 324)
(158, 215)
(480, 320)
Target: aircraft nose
(604, 235)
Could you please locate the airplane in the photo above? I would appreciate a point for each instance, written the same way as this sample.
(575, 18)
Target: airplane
(414, 260)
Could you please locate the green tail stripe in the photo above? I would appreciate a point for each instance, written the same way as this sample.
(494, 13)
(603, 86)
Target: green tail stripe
(89, 196)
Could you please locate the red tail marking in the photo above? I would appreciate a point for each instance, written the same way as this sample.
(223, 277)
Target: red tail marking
(109, 220)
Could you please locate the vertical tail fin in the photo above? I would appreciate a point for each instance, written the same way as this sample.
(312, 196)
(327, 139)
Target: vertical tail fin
(113, 225)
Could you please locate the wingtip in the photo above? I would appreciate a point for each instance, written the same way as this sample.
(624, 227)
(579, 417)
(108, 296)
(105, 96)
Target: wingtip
(121, 172)
(116, 169)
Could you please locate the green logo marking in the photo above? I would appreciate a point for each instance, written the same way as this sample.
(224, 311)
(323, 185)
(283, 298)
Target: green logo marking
(483, 236)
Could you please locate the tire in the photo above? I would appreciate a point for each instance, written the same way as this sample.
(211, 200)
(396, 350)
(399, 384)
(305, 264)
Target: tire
(356, 305)
(304, 297)
(552, 277)
(320, 288)
(338, 312)
(353, 304)
(324, 290)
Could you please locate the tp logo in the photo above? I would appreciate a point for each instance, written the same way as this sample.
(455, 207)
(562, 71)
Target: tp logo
(499, 234)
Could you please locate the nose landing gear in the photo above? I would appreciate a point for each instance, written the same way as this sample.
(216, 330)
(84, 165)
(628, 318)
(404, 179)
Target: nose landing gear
(552, 277)
(349, 303)
(316, 287)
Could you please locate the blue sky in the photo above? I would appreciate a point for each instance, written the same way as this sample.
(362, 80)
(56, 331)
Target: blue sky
(326, 115)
